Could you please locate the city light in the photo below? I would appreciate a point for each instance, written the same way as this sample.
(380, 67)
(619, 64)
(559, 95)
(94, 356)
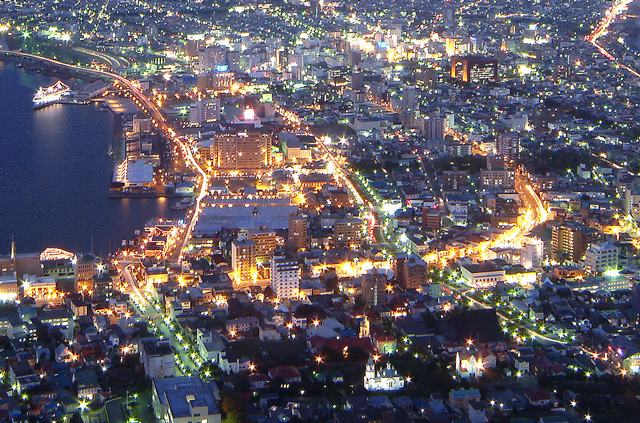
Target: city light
(301, 183)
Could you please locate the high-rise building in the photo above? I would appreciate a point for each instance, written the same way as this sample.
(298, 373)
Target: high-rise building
(315, 7)
(297, 237)
(426, 78)
(243, 261)
(531, 253)
(602, 256)
(354, 57)
(411, 271)
(449, 13)
(348, 231)
(205, 110)
(472, 69)
(431, 219)
(374, 284)
(246, 150)
(508, 146)
(433, 127)
(569, 241)
(86, 267)
(211, 58)
(285, 276)
(455, 180)
(410, 97)
(265, 241)
(504, 178)
(635, 299)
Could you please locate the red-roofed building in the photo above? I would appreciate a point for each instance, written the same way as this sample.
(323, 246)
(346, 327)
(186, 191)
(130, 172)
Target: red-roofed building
(287, 374)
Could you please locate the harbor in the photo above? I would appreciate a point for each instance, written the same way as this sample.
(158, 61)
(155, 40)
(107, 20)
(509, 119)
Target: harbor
(58, 166)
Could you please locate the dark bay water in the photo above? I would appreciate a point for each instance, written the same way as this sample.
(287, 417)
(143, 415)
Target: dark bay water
(55, 173)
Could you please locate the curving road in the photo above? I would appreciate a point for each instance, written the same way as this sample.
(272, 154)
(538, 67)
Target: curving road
(618, 8)
(157, 118)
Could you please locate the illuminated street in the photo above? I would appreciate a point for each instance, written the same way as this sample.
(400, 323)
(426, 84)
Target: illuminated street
(320, 211)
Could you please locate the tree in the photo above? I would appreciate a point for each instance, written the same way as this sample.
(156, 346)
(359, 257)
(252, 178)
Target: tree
(231, 407)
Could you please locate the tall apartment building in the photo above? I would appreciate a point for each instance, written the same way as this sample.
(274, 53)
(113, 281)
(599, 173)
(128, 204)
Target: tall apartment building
(247, 150)
(602, 256)
(503, 178)
(455, 180)
(411, 271)
(205, 110)
(297, 238)
(265, 241)
(374, 284)
(211, 58)
(569, 241)
(243, 261)
(86, 267)
(531, 253)
(431, 219)
(348, 231)
(433, 127)
(508, 146)
(157, 358)
(285, 276)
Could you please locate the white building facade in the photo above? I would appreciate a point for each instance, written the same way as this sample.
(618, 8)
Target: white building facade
(285, 276)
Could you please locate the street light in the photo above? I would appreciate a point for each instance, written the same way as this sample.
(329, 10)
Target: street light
(83, 405)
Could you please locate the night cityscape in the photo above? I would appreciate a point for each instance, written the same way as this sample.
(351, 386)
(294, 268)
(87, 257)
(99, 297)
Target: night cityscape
(272, 211)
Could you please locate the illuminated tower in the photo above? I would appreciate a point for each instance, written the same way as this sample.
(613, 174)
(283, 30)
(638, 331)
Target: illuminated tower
(243, 261)
(365, 327)
(13, 248)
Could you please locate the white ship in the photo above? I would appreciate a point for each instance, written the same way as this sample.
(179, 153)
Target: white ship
(49, 95)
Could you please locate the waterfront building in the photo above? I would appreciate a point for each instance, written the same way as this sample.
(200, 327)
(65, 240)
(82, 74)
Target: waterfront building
(8, 288)
(132, 173)
(42, 289)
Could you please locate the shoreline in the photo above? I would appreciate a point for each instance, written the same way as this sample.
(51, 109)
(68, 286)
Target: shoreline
(118, 126)
(150, 205)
